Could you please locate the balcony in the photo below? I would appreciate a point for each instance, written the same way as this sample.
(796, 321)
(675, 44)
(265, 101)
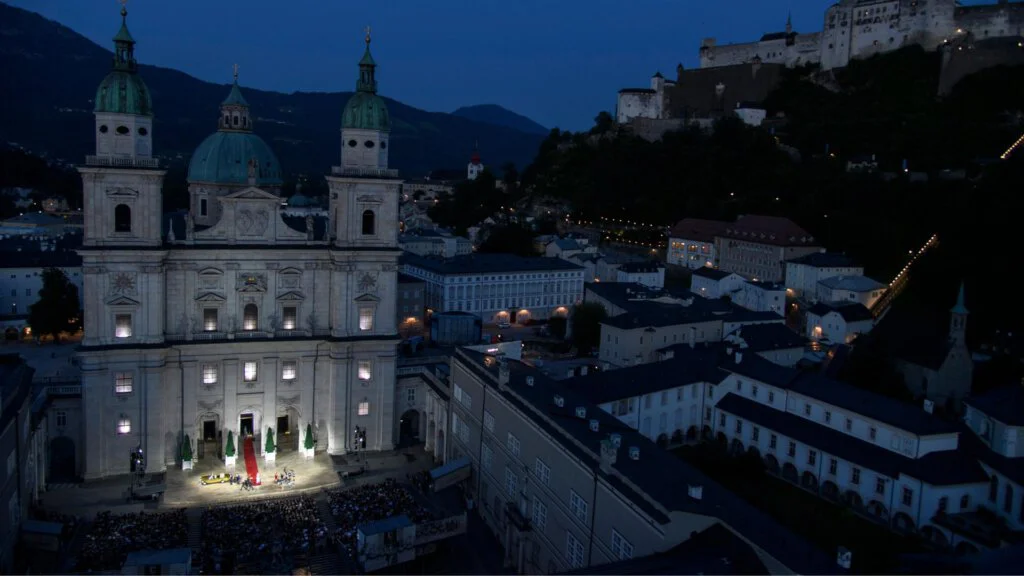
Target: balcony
(122, 162)
(364, 172)
(64, 390)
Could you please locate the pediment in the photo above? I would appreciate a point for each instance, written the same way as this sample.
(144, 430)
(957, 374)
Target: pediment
(290, 271)
(369, 298)
(291, 296)
(210, 271)
(369, 199)
(210, 297)
(122, 301)
(252, 193)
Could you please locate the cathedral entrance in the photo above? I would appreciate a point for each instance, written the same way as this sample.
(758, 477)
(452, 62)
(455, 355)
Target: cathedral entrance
(245, 425)
(209, 430)
(409, 428)
(62, 459)
(282, 425)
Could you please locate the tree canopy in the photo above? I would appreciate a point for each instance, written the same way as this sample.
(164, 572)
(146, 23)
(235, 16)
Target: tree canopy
(469, 203)
(57, 311)
(511, 239)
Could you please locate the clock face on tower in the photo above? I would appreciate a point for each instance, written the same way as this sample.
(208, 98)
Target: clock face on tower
(124, 283)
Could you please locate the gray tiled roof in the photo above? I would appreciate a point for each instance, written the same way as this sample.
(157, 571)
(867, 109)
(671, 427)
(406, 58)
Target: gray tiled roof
(1005, 404)
(850, 311)
(852, 283)
(825, 260)
(774, 336)
(712, 273)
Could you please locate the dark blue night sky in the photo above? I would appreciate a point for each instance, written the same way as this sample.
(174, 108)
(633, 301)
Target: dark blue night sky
(556, 61)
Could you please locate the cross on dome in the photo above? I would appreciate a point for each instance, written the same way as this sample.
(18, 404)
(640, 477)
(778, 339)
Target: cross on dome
(367, 33)
(235, 67)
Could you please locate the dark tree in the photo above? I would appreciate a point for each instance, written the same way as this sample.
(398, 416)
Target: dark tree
(510, 179)
(586, 326)
(509, 240)
(603, 122)
(57, 311)
(471, 202)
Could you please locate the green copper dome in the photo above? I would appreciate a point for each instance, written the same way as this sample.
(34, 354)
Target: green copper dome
(366, 110)
(223, 158)
(123, 91)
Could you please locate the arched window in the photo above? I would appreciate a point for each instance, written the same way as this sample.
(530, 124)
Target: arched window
(368, 223)
(122, 218)
(993, 489)
(250, 315)
(1008, 498)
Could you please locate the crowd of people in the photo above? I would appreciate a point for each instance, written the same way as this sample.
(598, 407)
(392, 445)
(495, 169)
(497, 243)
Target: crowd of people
(370, 503)
(422, 481)
(113, 536)
(261, 537)
(68, 521)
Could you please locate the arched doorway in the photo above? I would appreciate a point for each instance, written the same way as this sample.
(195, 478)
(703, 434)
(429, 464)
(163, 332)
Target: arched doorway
(409, 428)
(62, 459)
(431, 436)
(771, 463)
(903, 522)
(935, 535)
(790, 473)
(830, 490)
(522, 317)
(207, 435)
(439, 451)
(287, 430)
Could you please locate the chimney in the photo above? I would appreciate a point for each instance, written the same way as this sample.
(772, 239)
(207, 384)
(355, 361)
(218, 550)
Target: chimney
(695, 492)
(559, 401)
(594, 425)
(929, 406)
(529, 381)
(617, 439)
(634, 453)
(739, 356)
(581, 412)
(583, 370)
(609, 454)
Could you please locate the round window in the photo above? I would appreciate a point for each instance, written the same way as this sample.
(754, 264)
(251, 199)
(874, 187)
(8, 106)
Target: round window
(143, 131)
(123, 130)
(104, 129)
(368, 143)
(352, 143)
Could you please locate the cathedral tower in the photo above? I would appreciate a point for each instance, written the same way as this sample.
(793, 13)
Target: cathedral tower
(364, 251)
(122, 271)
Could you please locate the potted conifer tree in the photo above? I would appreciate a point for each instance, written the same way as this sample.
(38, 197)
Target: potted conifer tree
(307, 442)
(270, 449)
(186, 453)
(229, 450)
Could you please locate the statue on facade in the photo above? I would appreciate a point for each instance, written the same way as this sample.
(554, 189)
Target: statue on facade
(309, 227)
(170, 231)
(190, 226)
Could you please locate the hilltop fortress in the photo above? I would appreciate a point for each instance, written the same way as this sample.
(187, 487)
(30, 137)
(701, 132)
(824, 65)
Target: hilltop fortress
(855, 29)
(735, 78)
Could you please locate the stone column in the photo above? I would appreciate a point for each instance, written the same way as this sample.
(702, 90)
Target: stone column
(306, 390)
(153, 439)
(100, 422)
(269, 379)
(191, 368)
(339, 420)
(229, 375)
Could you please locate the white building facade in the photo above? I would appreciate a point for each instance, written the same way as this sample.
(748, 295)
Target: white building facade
(248, 324)
(804, 273)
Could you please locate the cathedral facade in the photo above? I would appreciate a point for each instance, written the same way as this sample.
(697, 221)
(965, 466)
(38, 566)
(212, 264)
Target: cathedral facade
(232, 316)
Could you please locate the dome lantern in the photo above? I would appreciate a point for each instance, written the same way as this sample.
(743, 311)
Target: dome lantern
(366, 110)
(123, 91)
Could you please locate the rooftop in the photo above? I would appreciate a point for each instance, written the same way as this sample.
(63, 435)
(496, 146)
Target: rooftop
(850, 311)
(773, 230)
(641, 267)
(1005, 404)
(774, 336)
(851, 283)
(825, 260)
(487, 264)
(653, 481)
(697, 229)
(766, 285)
(711, 273)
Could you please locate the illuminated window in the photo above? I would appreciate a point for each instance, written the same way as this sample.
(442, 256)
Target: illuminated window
(210, 319)
(291, 313)
(249, 317)
(123, 325)
(123, 383)
(209, 373)
(289, 369)
(364, 408)
(366, 317)
(124, 425)
(365, 370)
(249, 371)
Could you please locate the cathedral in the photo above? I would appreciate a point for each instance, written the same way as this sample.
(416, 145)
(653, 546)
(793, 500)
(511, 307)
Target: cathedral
(233, 317)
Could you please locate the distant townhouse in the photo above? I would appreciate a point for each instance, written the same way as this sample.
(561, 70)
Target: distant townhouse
(540, 243)
(21, 279)
(434, 243)
(650, 273)
(838, 322)
(568, 247)
(762, 296)
(498, 287)
(589, 262)
(411, 306)
(859, 289)
(774, 342)
(19, 485)
(691, 243)
(756, 247)
(714, 283)
(567, 487)
(803, 273)
(958, 486)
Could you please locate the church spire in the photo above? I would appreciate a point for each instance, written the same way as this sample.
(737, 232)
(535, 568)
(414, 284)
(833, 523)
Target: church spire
(367, 70)
(124, 44)
(789, 22)
(234, 110)
(960, 308)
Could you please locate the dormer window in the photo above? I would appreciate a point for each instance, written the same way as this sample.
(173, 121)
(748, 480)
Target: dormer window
(123, 130)
(234, 120)
(368, 143)
(143, 131)
(104, 129)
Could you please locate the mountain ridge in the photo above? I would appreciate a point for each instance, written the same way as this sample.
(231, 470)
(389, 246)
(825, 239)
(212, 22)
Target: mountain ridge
(52, 73)
(500, 116)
